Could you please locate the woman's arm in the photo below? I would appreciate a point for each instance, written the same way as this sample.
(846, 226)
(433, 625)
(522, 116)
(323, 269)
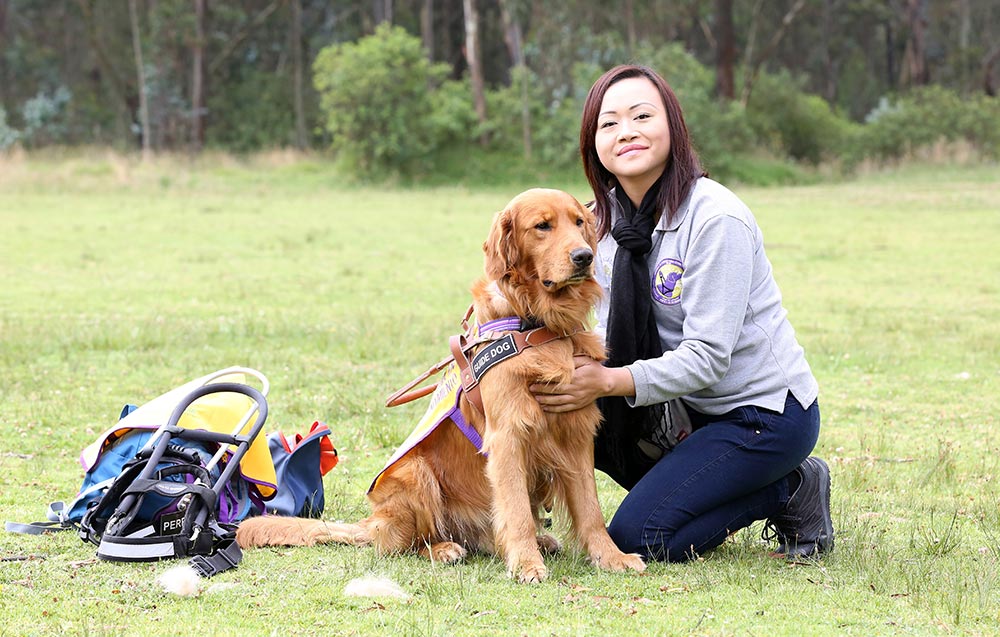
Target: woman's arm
(717, 278)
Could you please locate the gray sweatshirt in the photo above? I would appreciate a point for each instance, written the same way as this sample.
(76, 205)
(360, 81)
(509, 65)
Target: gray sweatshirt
(725, 334)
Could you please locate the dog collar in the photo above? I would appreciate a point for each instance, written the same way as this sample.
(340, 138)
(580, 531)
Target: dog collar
(505, 324)
(508, 324)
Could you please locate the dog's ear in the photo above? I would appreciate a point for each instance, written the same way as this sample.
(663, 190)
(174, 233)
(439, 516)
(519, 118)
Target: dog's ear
(501, 247)
(589, 226)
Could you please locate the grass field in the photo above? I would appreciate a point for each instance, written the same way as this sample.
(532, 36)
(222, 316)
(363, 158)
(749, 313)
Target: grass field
(122, 281)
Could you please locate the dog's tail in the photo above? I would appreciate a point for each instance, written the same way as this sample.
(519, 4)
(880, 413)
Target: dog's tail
(275, 530)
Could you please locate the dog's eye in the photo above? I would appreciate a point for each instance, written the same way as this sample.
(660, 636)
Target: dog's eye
(579, 221)
(543, 225)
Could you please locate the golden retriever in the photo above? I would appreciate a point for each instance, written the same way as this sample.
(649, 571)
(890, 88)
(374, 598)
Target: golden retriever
(443, 498)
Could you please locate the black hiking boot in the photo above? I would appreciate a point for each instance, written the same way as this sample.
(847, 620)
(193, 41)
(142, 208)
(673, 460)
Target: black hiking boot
(805, 528)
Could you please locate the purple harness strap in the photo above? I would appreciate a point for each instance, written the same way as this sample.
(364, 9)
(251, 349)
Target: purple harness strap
(467, 429)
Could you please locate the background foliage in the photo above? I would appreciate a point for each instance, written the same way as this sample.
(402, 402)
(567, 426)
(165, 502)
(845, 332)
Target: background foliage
(768, 87)
(377, 97)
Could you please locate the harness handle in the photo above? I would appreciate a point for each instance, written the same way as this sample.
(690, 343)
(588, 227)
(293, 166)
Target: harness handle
(404, 394)
(407, 394)
(465, 319)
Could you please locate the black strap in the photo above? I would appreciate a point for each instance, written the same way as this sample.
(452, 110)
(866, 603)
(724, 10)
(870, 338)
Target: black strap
(38, 528)
(226, 556)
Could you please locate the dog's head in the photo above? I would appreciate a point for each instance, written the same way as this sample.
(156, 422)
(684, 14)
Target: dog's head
(541, 248)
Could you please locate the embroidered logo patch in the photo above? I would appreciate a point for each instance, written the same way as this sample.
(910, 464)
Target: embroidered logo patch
(667, 282)
(492, 354)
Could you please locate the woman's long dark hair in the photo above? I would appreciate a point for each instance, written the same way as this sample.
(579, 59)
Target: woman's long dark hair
(683, 166)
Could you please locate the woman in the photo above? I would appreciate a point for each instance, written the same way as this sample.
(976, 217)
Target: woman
(691, 312)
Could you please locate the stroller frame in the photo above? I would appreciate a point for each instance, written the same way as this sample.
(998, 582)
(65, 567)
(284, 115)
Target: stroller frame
(195, 531)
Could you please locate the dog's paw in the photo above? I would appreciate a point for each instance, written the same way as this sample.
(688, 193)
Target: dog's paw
(532, 574)
(530, 570)
(619, 562)
(548, 544)
(444, 552)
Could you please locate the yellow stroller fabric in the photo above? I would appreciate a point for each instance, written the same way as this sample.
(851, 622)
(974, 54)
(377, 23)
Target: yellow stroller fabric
(215, 412)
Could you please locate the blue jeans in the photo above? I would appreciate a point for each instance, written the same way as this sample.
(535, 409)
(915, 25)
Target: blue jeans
(732, 470)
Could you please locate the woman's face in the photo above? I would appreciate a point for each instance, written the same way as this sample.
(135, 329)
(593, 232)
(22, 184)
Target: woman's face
(633, 136)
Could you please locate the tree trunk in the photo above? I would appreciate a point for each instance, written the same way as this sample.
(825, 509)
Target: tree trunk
(964, 35)
(109, 75)
(514, 38)
(915, 72)
(964, 24)
(157, 71)
(725, 50)
(830, 67)
(989, 62)
(297, 76)
(754, 70)
(141, 78)
(475, 63)
(427, 27)
(382, 10)
(630, 33)
(698, 27)
(890, 55)
(751, 44)
(197, 78)
(3, 46)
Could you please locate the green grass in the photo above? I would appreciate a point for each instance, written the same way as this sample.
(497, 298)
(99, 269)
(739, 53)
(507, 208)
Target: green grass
(122, 281)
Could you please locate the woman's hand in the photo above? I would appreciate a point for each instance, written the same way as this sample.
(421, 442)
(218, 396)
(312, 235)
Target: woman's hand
(591, 380)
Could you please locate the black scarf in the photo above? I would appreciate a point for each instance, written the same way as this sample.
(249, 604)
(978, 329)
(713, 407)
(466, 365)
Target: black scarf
(632, 335)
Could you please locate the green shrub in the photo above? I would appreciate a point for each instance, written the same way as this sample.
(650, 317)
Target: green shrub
(44, 117)
(886, 133)
(251, 114)
(719, 130)
(684, 73)
(8, 136)
(788, 121)
(376, 98)
(979, 122)
(452, 118)
(927, 116)
(555, 120)
(758, 170)
(505, 107)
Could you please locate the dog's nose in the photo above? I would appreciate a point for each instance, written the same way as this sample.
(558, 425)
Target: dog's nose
(582, 257)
